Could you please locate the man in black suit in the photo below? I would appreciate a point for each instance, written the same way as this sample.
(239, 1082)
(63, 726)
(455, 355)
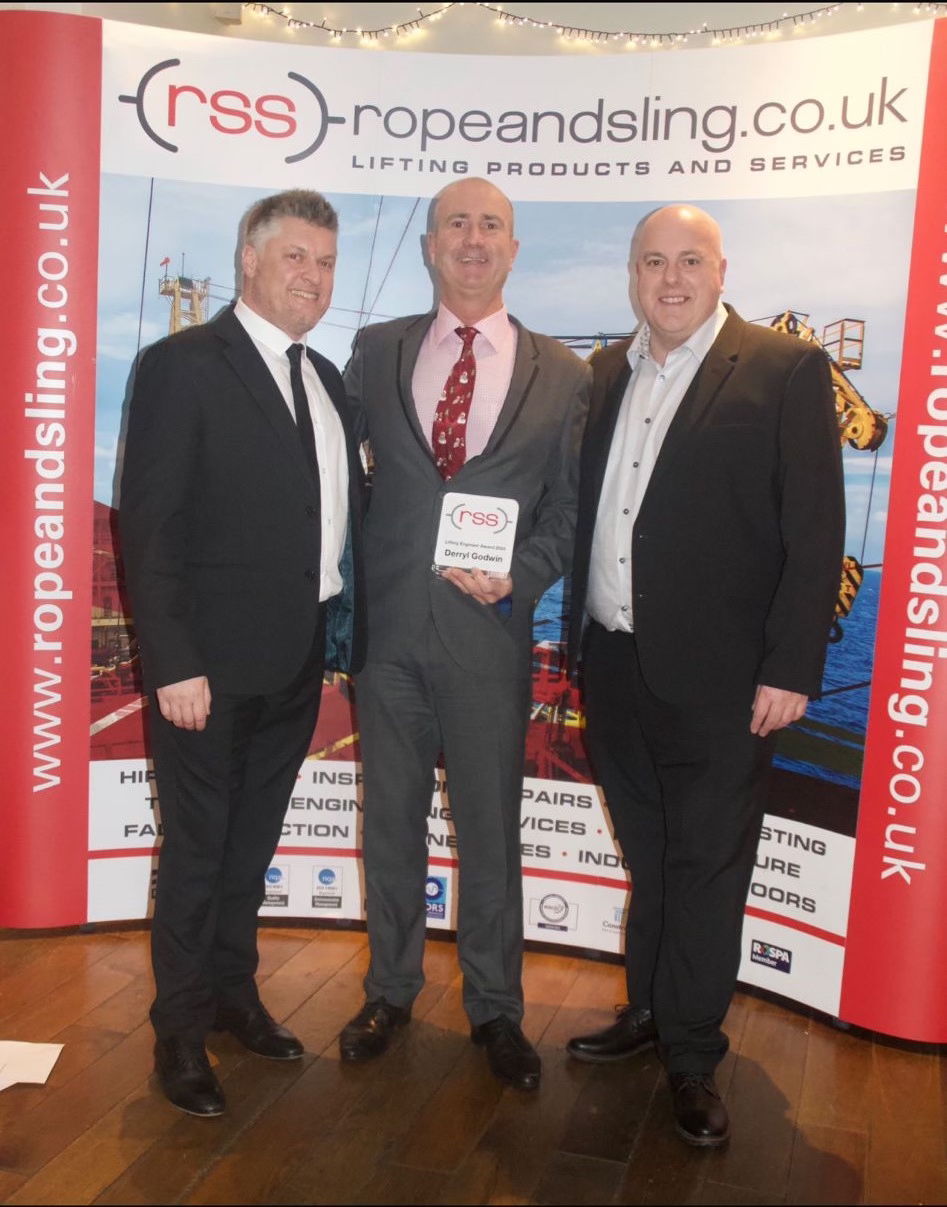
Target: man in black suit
(708, 558)
(240, 535)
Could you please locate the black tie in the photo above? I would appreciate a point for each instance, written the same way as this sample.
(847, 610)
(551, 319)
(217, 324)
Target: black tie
(301, 406)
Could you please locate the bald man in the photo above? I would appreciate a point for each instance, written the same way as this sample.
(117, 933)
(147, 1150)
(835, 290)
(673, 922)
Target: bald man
(708, 556)
(461, 400)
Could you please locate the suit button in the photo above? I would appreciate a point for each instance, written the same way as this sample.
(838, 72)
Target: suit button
(310, 574)
(310, 510)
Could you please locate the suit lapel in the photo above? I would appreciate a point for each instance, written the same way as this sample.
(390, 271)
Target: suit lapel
(713, 371)
(258, 381)
(409, 345)
(611, 381)
(525, 369)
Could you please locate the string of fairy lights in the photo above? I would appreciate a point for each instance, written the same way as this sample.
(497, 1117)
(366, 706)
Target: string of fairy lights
(399, 31)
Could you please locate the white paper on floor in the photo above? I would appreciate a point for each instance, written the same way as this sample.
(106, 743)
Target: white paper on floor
(26, 1062)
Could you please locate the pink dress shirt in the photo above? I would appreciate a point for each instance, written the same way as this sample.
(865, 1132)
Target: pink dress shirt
(494, 350)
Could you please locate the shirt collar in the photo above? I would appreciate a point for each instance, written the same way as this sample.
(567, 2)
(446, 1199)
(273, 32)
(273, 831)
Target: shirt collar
(263, 331)
(698, 344)
(495, 328)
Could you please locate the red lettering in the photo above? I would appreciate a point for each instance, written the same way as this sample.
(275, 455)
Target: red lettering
(176, 90)
(282, 118)
(242, 116)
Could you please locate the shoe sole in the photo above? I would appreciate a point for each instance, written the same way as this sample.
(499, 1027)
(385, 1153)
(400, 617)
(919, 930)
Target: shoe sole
(271, 1055)
(183, 1109)
(590, 1058)
(701, 1141)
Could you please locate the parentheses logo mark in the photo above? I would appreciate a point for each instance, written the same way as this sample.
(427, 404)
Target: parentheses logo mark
(138, 100)
(325, 119)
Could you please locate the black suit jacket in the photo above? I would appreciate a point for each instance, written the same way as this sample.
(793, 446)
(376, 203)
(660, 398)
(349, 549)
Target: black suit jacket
(220, 519)
(737, 548)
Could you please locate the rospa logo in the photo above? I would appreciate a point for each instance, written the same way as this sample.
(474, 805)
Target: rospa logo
(467, 517)
(167, 103)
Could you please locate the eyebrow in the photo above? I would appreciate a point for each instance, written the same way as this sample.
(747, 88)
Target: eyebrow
(467, 214)
(688, 251)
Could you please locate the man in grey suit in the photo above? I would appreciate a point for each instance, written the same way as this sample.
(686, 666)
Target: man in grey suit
(461, 399)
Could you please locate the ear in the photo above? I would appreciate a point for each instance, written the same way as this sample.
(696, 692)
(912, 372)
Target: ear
(723, 273)
(248, 260)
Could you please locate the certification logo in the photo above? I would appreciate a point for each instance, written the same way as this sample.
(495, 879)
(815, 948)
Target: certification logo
(327, 886)
(771, 956)
(553, 912)
(435, 892)
(276, 887)
(615, 925)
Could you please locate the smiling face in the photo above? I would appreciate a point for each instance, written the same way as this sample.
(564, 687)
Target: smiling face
(471, 248)
(676, 273)
(288, 273)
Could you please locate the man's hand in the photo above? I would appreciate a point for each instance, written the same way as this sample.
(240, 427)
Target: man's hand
(186, 704)
(485, 588)
(774, 708)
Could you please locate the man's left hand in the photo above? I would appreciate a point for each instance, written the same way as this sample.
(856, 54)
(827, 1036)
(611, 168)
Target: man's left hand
(774, 708)
(485, 588)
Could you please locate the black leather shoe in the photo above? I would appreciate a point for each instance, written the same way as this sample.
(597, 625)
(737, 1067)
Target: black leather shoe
(186, 1077)
(512, 1057)
(632, 1031)
(259, 1032)
(700, 1116)
(370, 1032)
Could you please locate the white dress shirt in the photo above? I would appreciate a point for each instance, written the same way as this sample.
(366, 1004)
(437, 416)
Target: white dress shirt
(651, 400)
(271, 343)
(494, 350)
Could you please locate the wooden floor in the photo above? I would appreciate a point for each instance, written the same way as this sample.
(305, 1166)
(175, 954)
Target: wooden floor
(819, 1115)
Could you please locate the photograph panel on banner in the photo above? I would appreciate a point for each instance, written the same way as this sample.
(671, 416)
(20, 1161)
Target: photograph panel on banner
(809, 159)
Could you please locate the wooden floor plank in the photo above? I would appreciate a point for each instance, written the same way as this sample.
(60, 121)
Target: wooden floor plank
(176, 1150)
(837, 1077)
(51, 970)
(819, 1114)
(28, 1144)
(573, 1179)
(610, 1112)
(828, 1166)
(906, 1127)
(514, 1151)
(400, 1184)
(763, 1099)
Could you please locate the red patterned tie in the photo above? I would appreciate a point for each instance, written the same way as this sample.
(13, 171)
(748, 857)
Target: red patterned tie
(449, 433)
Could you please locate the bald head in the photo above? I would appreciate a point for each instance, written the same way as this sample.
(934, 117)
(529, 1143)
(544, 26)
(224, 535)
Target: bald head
(676, 271)
(471, 247)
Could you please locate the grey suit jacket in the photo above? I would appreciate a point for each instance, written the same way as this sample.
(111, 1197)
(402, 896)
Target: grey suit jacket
(532, 456)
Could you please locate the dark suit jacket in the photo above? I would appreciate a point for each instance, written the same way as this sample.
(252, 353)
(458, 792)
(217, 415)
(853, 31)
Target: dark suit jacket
(532, 456)
(220, 518)
(737, 548)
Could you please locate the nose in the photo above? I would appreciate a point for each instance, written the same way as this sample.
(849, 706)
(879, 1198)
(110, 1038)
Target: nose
(671, 273)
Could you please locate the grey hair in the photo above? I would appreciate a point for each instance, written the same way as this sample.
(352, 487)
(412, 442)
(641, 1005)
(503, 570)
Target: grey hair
(260, 221)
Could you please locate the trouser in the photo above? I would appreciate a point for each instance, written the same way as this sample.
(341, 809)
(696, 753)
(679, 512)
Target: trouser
(685, 789)
(409, 712)
(222, 794)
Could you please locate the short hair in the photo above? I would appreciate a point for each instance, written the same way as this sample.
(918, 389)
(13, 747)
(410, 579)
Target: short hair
(263, 215)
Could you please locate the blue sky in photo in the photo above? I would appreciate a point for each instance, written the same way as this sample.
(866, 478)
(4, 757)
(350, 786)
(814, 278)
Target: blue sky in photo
(830, 258)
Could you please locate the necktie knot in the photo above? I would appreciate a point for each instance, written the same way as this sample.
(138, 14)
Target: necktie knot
(467, 335)
(295, 354)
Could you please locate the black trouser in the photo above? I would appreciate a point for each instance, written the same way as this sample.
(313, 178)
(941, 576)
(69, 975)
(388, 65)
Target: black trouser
(222, 794)
(685, 789)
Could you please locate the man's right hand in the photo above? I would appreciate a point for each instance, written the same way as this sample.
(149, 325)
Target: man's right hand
(186, 704)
